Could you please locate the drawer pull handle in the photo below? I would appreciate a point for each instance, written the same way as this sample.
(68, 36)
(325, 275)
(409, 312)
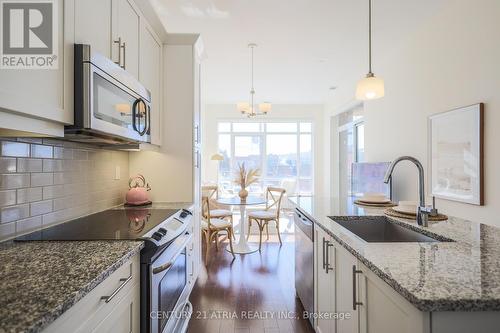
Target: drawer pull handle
(355, 302)
(123, 281)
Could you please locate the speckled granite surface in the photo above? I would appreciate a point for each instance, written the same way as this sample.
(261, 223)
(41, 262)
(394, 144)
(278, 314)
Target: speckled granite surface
(445, 276)
(41, 280)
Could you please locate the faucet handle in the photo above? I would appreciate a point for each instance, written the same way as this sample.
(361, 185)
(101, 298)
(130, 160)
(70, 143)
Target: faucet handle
(434, 211)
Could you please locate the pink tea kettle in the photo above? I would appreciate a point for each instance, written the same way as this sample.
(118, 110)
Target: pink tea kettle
(137, 194)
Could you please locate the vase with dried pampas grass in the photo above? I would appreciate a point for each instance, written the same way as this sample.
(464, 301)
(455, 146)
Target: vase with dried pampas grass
(246, 177)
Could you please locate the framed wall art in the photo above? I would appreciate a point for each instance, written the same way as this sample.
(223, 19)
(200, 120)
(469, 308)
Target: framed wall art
(456, 154)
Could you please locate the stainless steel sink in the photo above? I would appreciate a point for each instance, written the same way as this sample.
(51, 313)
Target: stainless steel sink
(379, 229)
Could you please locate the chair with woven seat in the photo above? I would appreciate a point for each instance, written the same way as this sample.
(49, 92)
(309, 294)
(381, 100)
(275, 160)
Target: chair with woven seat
(216, 211)
(274, 196)
(212, 226)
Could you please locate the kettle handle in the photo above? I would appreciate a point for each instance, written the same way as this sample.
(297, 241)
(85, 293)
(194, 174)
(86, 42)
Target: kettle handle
(137, 178)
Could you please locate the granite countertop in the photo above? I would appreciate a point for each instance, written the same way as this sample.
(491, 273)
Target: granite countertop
(41, 280)
(463, 275)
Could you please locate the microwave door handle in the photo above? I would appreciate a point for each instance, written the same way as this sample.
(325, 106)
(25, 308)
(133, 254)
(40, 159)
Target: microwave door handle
(149, 119)
(142, 129)
(134, 111)
(137, 115)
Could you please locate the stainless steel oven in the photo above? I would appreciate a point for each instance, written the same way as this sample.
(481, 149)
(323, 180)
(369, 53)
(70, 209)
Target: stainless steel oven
(110, 105)
(166, 277)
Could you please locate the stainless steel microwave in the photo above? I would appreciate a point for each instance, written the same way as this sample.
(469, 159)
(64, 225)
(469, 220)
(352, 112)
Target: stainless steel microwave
(110, 105)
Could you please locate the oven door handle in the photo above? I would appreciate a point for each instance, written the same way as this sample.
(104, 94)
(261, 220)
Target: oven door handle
(168, 264)
(162, 268)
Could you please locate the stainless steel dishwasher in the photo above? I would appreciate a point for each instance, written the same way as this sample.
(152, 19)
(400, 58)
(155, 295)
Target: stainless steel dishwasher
(304, 260)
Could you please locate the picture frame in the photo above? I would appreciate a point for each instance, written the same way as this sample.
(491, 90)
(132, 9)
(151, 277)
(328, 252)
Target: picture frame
(456, 154)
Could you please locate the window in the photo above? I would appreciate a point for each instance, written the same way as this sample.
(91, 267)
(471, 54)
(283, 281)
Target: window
(281, 150)
(360, 142)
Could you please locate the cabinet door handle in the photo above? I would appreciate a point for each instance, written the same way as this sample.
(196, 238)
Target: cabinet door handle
(355, 302)
(197, 134)
(324, 254)
(119, 42)
(124, 54)
(328, 267)
(196, 159)
(123, 281)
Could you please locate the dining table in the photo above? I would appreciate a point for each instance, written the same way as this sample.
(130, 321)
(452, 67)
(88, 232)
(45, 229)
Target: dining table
(242, 247)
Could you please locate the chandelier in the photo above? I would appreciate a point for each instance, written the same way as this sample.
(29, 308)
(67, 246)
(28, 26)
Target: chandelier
(250, 109)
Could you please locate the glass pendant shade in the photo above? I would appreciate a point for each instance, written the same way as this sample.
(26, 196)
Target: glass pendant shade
(265, 107)
(370, 87)
(243, 107)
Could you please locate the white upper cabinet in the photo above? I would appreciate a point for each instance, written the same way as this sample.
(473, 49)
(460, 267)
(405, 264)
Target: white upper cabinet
(126, 31)
(150, 70)
(43, 93)
(111, 28)
(97, 31)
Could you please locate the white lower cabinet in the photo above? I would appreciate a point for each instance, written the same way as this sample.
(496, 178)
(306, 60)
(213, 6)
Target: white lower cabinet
(347, 295)
(119, 313)
(352, 299)
(325, 281)
(383, 310)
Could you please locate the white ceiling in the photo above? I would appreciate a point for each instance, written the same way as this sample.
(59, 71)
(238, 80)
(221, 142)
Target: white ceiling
(304, 46)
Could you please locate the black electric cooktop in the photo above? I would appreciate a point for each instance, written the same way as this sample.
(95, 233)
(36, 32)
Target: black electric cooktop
(113, 224)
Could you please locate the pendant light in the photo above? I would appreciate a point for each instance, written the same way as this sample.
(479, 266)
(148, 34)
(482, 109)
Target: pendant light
(250, 109)
(370, 87)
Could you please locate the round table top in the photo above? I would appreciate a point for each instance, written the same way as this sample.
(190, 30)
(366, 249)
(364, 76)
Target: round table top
(236, 201)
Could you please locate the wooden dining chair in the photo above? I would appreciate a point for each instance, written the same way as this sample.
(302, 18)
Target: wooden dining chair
(216, 211)
(274, 196)
(212, 226)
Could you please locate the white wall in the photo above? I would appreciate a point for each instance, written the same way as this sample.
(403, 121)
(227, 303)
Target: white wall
(452, 60)
(169, 170)
(213, 113)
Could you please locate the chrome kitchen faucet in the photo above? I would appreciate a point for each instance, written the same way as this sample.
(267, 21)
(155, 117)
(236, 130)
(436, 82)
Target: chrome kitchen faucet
(423, 211)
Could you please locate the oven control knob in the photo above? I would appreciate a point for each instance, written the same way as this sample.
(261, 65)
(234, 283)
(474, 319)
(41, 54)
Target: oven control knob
(162, 231)
(157, 236)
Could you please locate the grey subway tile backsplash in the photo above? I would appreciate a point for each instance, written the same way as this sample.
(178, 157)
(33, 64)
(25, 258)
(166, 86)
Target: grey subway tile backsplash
(13, 213)
(53, 191)
(32, 194)
(52, 165)
(7, 198)
(29, 224)
(15, 180)
(80, 154)
(40, 207)
(7, 164)
(42, 179)
(29, 165)
(41, 151)
(14, 149)
(49, 181)
(7, 230)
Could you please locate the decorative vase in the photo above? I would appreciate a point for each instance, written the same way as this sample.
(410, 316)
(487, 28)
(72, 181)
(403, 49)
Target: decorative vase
(243, 193)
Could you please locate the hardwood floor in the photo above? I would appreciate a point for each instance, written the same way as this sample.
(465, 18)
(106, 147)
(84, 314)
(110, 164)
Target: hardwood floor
(254, 293)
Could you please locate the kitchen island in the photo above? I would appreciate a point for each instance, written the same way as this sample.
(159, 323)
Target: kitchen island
(439, 279)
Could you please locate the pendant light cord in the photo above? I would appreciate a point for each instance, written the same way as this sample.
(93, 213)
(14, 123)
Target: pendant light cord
(370, 37)
(252, 91)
